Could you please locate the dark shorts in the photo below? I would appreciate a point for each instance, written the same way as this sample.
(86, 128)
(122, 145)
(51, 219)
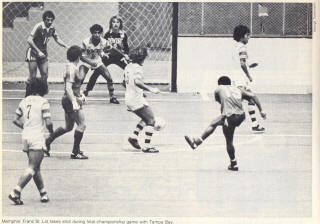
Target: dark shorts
(67, 105)
(236, 119)
(115, 59)
(31, 56)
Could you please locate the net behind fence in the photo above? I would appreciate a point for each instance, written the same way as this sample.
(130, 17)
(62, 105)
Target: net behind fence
(264, 19)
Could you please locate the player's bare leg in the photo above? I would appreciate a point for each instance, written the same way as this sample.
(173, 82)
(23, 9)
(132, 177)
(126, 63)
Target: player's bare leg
(43, 69)
(146, 114)
(78, 117)
(133, 139)
(35, 158)
(38, 180)
(228, 132)
(33, 66)
(195, 142)
(69, 123)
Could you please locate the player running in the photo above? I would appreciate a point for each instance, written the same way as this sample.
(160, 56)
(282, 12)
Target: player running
(135, 101)
(32, 116)
(37, 55)
(232, 115)
(117, 49)
(94, 50)
(243, 79)
(72, 102)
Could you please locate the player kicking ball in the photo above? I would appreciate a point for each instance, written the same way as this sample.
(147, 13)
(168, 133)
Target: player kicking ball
(72, 102)
(135, 101)
(232, 115)
(32, 116)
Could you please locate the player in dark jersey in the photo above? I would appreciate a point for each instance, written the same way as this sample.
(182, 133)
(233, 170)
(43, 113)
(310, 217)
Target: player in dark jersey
(117, 49)
(232, 115)
(37, 54)
(72, 102)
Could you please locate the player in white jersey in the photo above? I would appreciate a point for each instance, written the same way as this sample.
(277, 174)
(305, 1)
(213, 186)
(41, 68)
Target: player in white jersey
(93, 48)
(135, 100)
(33, 116)
(242, 78)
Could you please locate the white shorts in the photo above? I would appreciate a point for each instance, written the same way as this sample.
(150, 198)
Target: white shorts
(99, 63)
(133, 105)
(34, 144)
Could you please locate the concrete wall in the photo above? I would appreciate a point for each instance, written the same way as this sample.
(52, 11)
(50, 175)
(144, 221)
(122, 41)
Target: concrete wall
(285, 65)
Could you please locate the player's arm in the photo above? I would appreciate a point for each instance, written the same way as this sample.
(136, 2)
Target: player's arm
(46, 115)
(251, 96)
(17, 121)
(59, 40)
(138, 82)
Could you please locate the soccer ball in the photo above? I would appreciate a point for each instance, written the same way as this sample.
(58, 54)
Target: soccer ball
(160, 124)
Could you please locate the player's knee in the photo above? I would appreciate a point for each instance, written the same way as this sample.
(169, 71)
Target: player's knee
(150, 122)
(30, 170)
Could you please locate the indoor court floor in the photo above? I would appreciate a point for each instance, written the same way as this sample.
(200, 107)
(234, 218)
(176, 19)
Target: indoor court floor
(274, 177)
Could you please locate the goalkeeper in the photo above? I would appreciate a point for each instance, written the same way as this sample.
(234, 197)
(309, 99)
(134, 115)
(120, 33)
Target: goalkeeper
(116, 51)
(72, 102)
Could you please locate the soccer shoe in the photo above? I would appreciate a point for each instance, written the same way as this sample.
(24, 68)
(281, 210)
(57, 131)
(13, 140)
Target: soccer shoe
(191, 142)
(233, 166)
(16, 199)
(150, 150)
(114, 100)
(258, 129)
(44, 197)
(78, 156)
(134, 142)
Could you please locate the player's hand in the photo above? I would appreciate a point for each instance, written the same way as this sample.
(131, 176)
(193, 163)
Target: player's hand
(155, 90)
(75, 105)
(126, 57)
(263, 114)
(41, 54)
(82, 99)
(253, 65)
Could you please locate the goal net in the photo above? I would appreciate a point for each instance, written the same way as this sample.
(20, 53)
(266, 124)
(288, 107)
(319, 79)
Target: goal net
(146, 23)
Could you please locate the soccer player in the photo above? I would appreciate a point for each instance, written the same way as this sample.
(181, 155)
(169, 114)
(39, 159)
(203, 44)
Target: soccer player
(135, 101)
(93, 49)
(232, 115)
(32, 116)
(117, 49)
(37, 55)
(72, 102)
(243, 78)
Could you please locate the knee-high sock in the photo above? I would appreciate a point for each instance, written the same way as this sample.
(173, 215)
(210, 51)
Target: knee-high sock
(149, 133)
(77, 139)
(138, 129)
(252, 114)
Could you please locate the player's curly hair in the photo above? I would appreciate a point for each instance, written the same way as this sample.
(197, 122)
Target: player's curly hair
(73, 53)
(239, 32)
(96, 27)
(49, 14)
(224, 80)
(118, 18)
(38, 86)
(138, 55)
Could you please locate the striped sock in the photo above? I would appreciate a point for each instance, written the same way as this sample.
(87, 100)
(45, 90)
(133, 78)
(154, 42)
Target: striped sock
(138, 129)
(149, 133)
(252, 114)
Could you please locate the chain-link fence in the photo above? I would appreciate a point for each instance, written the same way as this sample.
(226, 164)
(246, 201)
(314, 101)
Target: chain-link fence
(263, 19)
